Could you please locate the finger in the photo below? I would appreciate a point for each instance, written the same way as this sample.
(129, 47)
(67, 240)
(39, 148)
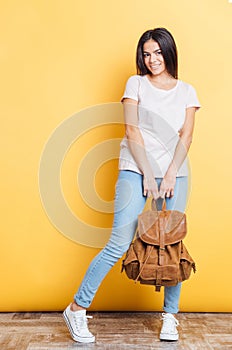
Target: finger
(155, 195)
(172, 193)
(168, 194)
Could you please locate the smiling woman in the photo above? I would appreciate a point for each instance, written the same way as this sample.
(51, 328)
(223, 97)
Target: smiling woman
(152, 162)
(153, 57)
(157, 47)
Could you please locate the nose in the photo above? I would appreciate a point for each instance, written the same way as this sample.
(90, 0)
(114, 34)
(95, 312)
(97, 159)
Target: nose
(152, 58)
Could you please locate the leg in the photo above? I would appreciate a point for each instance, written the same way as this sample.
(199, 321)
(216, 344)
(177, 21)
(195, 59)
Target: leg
(177, 202)
(172, 294)
(129, 202)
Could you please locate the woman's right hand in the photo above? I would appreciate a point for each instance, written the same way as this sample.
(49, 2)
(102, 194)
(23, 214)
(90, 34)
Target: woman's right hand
(150, 187)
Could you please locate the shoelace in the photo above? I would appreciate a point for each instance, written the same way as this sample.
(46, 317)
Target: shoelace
(169, 320)
(81, 322)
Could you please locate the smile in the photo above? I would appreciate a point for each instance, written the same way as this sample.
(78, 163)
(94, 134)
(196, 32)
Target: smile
(155, 66)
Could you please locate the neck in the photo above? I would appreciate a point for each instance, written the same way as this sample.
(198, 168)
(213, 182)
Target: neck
(161, 78)
(163, 81)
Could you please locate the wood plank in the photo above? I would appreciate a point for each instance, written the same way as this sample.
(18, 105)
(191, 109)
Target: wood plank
(115, 331)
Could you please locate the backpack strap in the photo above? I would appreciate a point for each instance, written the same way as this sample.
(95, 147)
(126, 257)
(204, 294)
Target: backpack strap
(161, 246)
(144, 263)
(154, 205)
(161, 235)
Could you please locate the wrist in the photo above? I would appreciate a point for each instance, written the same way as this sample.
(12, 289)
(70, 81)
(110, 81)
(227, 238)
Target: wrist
(172, 171)
(148, 174)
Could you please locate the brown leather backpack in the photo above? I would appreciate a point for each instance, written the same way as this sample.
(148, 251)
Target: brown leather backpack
(158, 256)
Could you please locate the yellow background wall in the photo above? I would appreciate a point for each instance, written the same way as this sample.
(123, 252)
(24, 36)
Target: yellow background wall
(60, 57)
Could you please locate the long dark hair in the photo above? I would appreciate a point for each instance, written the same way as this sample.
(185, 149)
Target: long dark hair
(168, 47)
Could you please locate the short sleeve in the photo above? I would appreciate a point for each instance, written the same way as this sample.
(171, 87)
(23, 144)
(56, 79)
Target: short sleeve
(132, 88)
(192, 99)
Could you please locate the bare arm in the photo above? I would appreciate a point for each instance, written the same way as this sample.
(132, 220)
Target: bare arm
(136, 146)
(181, 151)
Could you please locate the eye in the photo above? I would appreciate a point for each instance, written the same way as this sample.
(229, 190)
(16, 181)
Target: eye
(158, 52)
(145, 54)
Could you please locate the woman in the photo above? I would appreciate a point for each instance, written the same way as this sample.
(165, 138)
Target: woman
(159, 115)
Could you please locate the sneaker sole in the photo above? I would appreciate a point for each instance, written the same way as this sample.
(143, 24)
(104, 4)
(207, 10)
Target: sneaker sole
(73, 335)
(169, 337)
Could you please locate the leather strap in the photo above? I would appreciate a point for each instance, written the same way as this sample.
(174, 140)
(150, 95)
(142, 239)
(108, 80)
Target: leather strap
(161, 245)
(161, 223)
(161, 239)
(150, 247)
(154, 205)
(164, 204)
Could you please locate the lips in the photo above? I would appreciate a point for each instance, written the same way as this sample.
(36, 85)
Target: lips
(155, 66)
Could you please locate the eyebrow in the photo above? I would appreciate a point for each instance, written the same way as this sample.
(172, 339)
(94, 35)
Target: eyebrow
(153, 51)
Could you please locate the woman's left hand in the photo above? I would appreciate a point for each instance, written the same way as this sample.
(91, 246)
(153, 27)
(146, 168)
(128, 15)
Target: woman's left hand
(167, 186)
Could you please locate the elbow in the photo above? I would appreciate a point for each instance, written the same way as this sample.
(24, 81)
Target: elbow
(127, 133)
(186, 140)
(131, 132)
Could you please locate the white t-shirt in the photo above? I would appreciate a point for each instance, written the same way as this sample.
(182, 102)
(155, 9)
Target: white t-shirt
(161, 114)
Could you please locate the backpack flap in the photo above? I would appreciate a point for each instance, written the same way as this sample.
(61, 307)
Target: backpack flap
(173, 222)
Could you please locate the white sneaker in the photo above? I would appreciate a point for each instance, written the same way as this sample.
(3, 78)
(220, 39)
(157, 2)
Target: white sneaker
(168, 330)
(76, 322)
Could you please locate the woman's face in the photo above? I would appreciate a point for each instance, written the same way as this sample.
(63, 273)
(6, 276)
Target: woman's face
(153, 58)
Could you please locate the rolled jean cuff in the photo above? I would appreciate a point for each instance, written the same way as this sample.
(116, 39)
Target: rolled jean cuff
(81, 303)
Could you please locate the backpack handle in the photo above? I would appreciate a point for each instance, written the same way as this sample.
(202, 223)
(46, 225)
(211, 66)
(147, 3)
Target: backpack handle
(154, 205)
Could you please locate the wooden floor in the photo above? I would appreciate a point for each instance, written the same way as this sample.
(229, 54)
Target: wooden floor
(115, 331)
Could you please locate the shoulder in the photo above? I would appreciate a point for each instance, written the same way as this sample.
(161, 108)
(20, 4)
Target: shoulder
(189, 94)
(134, 79)
(133, 83)
(186, 87)
(132, 89)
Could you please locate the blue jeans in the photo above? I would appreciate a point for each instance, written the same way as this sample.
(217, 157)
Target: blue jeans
(129, 202)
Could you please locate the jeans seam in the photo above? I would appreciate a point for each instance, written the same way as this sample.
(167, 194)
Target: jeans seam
(89, 276)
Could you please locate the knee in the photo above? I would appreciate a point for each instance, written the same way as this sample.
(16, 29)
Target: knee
(116, 251)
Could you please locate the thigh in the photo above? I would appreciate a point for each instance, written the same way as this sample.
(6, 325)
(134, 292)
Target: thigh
(129, 203)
